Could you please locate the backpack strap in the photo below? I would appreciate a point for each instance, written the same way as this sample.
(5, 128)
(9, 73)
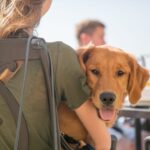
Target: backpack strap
(14, 108)
(13, 50)
(48, 72)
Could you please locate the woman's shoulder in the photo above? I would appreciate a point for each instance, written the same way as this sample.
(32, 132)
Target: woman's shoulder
(60, 47)
(62, 55)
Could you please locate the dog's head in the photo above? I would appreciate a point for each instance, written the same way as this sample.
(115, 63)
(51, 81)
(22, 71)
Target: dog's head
(112, 74)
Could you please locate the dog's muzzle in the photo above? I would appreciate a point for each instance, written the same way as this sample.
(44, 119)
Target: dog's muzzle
(107, 112)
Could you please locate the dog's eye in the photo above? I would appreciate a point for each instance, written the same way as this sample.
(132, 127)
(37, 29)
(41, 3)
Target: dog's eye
(95, 72)
(120, 73)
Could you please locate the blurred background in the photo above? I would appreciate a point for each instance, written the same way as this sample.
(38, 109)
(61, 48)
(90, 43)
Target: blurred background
(127, 23)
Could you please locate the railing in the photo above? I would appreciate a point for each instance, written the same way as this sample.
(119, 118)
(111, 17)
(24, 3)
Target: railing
(144, 60)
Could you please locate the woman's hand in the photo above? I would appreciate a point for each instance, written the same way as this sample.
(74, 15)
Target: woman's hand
(94, 125)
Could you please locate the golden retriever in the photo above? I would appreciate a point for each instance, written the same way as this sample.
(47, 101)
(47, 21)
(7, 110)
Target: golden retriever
(112, 74)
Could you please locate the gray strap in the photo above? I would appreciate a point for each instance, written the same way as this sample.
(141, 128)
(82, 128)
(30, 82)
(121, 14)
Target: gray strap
(11, 51)
(21, 100)
(17, 52)
(14, 108)
(48, 72)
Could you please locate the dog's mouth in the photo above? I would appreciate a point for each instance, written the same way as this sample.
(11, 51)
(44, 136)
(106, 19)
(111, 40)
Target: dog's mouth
(107, 113)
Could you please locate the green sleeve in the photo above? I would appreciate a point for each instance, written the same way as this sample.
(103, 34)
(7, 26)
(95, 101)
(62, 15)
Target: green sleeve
(70, 79)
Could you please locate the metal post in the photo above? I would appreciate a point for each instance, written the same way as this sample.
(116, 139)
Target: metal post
(147, 143)
(113, 142)
(138, 134)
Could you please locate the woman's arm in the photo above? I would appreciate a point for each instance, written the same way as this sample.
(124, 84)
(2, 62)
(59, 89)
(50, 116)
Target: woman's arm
(94, 125)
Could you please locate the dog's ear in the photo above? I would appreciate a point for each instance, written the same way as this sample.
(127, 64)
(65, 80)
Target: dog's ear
(137, 80)
(84, 54)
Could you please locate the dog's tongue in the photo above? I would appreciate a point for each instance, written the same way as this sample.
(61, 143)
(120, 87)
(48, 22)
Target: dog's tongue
(107, 114)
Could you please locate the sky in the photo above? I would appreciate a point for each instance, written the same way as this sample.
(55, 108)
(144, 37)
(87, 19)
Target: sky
(127, 22)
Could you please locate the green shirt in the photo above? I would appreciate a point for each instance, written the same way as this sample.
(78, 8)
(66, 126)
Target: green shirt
(70, 85)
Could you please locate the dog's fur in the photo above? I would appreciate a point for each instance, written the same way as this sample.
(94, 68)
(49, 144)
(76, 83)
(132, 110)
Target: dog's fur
(108, 70)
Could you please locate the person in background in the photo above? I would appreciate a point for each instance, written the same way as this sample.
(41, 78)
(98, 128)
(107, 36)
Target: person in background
(93, 31)
(90, 31)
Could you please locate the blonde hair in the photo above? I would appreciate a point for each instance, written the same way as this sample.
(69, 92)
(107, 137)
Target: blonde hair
(19, 14)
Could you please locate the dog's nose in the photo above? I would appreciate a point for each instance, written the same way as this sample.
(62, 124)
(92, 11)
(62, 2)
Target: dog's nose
(107, 98)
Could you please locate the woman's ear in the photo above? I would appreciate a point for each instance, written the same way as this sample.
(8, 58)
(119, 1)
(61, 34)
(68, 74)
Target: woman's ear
(137, 80)
(84, 54)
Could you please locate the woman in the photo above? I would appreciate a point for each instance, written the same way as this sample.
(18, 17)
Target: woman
(18, 18)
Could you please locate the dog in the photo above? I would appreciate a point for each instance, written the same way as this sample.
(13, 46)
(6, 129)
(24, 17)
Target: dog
(112, 74)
